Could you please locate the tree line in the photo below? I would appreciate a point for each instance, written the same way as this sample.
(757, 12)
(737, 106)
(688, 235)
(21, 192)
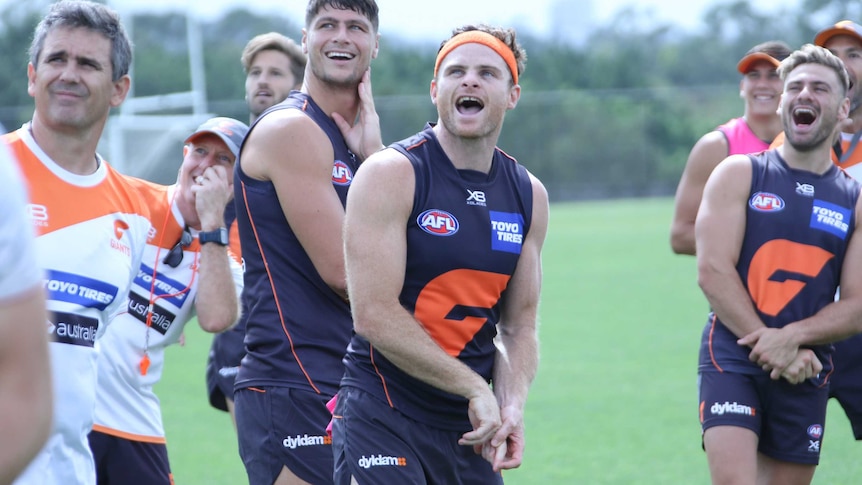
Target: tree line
(613, 116)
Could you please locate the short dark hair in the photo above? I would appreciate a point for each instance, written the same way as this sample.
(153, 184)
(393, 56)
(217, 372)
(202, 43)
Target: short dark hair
(368, 8)
(273, 41)
(73, 14)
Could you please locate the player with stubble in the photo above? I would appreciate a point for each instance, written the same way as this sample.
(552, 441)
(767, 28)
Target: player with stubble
(295, 168)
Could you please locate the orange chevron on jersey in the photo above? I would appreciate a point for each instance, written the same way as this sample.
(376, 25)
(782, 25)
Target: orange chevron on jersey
(451, 306)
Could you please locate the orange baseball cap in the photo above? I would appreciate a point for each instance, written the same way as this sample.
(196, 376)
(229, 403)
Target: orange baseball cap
(773, 52)
(844, 27)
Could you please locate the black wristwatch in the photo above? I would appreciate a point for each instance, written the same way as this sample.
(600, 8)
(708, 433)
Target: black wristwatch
(219, 236)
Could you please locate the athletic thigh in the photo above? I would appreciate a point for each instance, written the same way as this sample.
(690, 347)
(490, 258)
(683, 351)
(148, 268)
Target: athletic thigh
(282, 427)
(375, 443)
(794, 421)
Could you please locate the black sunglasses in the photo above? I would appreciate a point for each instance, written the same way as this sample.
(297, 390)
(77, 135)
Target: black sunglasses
(175, 255)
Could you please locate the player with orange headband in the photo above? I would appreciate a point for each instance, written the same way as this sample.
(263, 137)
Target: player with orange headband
(437, 228)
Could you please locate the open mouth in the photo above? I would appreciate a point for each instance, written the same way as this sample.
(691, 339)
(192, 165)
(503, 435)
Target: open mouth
(469, 105)
(804, 116)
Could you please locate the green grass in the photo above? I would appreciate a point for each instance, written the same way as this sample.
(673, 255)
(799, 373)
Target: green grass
(615, 399)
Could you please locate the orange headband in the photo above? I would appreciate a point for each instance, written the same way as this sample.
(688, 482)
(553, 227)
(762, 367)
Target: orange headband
(484, 38)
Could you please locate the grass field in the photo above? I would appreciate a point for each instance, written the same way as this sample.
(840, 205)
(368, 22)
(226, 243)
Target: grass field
(615, 400)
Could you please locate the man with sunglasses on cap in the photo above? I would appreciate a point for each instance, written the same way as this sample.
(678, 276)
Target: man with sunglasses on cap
(760, 88)
(437, 228)
(187, 269)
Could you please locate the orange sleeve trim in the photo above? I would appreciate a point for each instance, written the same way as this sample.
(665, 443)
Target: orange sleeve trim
(159, 440)
(380, 375)
(711, 354)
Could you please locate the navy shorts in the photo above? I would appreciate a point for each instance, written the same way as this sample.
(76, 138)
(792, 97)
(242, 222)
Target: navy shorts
(788, 419)
(375, 443)
(845, 383)
(225, 355)
(280, 426)
(125, 462)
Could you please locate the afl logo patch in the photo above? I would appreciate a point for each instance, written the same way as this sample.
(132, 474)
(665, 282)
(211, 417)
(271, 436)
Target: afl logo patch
(341, 174)
(766, 202)
(437, 222)
(815, 431)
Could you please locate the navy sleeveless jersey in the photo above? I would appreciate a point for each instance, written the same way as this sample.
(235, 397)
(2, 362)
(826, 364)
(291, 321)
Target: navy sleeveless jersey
(297, 328)
(798, 225)
(464, 239)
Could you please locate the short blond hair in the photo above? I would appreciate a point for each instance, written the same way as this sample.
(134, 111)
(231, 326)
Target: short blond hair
(275, 42)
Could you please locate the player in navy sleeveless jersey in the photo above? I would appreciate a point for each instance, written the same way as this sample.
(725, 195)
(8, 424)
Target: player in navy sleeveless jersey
(443, 238)
(274, 65)
(295, 169)
(775, 238)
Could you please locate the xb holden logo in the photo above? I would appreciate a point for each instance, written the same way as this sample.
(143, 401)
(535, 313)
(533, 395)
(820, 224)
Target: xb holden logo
(475, 197)
(766, 202)
(805, 189)
(437, 222)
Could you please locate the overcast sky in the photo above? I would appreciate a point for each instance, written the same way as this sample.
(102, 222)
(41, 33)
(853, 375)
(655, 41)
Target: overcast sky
(433, 20)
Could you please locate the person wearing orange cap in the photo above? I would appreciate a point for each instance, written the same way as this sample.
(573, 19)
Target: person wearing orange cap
(760, 88)
(844, 39)
(438, 226)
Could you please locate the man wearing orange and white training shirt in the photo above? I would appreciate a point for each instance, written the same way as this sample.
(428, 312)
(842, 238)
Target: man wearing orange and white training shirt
(91, 225)
(187, 269)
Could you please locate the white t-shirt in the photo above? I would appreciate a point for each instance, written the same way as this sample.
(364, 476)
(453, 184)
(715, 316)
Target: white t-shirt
(19, 271)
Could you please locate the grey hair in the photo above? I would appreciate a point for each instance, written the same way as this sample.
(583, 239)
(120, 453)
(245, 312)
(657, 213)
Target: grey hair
(89, 15)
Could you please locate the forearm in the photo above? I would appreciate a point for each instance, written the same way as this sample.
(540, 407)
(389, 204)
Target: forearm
(216, 301)
(729, 300)
(402, 340)
(515, 365)
(682, 240)
(836, 321)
